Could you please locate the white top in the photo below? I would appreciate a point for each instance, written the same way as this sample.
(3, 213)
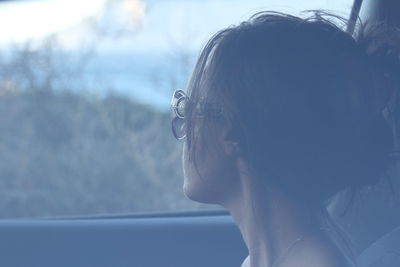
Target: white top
(246, 262)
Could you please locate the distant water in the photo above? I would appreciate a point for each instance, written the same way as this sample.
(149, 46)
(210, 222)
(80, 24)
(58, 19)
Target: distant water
(147, 78)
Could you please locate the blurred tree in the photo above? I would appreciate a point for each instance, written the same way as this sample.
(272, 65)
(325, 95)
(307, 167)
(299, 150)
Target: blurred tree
(67, 152)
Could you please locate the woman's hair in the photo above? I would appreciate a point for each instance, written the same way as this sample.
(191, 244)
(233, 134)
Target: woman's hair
(304, 99)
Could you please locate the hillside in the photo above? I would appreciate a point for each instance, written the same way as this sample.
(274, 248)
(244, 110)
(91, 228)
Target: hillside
(69, 154)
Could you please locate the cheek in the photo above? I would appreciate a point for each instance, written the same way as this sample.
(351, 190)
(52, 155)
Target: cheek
(213, 180)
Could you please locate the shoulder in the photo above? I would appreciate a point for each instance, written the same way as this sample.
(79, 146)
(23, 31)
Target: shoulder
(316, 253)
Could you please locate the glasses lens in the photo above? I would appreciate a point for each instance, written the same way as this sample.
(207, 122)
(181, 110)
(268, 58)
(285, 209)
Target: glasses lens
(181, 107)
(179, 128)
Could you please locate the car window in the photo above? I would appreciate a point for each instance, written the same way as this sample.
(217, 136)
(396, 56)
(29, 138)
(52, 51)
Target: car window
(85, 88)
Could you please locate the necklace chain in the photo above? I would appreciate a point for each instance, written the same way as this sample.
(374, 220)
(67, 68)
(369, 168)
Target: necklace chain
(286, 252)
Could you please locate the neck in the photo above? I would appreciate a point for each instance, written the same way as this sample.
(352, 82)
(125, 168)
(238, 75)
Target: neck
(269, 222)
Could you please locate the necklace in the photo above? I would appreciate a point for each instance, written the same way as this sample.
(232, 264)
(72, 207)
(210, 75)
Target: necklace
(281, 257)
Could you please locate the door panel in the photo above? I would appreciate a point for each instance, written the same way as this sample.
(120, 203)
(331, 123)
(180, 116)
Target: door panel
(180, 241)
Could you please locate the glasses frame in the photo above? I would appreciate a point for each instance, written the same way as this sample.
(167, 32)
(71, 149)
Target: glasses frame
(178, 97)
(179, 101)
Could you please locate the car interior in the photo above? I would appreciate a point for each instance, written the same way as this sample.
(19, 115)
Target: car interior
(194, 238)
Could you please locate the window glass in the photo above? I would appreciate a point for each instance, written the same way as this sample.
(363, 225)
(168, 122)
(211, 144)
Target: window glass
(85, 88)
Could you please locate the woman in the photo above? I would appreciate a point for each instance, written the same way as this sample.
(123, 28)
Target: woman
(281, 114)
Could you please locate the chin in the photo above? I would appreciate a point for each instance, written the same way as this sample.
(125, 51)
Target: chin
(199, 193)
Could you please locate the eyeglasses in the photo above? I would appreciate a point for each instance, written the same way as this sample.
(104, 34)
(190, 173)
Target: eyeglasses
(179, 104)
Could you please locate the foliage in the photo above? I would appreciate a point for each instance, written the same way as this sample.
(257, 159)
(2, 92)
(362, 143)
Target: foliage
(67, 154)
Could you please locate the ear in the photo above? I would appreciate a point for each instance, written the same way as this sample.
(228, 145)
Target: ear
(231, 144)
(234, 151)
(231, 148)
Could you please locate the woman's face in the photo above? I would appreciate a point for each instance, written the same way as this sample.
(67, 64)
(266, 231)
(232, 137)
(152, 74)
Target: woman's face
(214, 178)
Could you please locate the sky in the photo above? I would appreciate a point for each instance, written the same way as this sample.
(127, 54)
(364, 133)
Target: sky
(160, 31)
(22, 20)
(164, 21)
